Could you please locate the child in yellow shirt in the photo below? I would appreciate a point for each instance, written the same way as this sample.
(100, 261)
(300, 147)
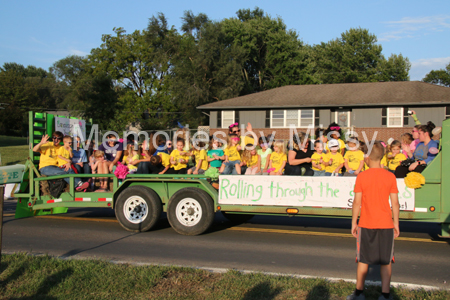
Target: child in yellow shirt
(179, 159)
(278, 159)
(130, 155)
(65, 153)
(318, 165)
(233, 158)
(161, 161)
(252, 160)
(394, 157)
(201, 160)
(333, 160)
(354, 158)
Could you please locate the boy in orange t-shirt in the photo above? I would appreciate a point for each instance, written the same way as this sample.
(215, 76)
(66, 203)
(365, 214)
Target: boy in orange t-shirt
(376, 230)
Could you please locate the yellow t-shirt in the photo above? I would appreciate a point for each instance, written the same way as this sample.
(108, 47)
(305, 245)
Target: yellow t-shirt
(354, 158)
(394, 162)
(341, 145)
(49, 156)
(165, 159)
(125, 161)
(277, 160)
(316, 159)
(201, 155)
(253, 161)
(64, 153)
(337, 160)
(232, 153)
(177, 157)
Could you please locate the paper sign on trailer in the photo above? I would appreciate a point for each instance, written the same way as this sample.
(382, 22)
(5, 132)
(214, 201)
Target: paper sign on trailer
(298, 191)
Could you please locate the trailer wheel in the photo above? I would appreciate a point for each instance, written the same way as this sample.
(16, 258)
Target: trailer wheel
(138, 208)
(237, 218)
(190, 211)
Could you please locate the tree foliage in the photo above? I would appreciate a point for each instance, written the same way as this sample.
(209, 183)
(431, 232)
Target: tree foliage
(22, 89)
(439, 77)
(274, 55)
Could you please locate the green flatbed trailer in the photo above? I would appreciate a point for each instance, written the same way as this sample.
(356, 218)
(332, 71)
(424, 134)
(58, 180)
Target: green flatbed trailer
(191, 202)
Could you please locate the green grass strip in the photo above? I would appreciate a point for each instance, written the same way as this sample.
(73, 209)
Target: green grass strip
(13, 150)
(44, 277)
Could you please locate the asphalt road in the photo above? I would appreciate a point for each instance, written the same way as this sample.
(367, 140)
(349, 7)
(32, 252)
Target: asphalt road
(305, 246)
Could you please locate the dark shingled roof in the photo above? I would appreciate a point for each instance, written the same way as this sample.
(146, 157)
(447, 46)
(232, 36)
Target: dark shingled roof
(343, 94)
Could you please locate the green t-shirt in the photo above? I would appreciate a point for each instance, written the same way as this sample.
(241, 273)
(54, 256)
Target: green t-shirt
(264, 156)
(215, 163)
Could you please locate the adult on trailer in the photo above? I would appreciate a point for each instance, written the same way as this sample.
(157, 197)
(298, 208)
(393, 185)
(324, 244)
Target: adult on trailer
(48, 163)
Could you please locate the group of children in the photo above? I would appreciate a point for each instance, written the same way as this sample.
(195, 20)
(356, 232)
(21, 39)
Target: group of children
(331, 157)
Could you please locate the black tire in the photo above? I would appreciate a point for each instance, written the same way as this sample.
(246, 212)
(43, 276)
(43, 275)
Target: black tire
(143, 197)
(195, 211)
(237, 218)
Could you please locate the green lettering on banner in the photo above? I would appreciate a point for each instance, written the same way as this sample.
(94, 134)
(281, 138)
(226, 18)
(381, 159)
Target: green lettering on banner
(321, 189)
(407, 193)
(336, 191)
(238, 188)
(330, 190)
(279, 188)
(248, 190)
(223, 188)
(259, 190)
(271, 189)
(235, 189)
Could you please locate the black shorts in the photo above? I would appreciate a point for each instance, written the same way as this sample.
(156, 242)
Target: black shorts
(375, 246)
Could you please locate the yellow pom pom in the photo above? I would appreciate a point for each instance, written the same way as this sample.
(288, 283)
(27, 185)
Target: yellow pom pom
(414, 180)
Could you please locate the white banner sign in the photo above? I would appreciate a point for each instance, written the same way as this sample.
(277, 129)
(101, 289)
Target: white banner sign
(296, 191)
(70, 126)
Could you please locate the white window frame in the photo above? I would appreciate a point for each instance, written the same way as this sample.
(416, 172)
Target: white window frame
(401, 117)
(348, 118)
(299, 113)
(222, 118)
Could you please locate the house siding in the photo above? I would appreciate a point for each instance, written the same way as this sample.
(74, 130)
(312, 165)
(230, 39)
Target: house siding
(366, 117)
(213, 119)
(425, 114)
(324, 117)
(256, 117)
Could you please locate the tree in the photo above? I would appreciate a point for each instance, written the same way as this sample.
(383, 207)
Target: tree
(85, 94)
(205, 70)
(355, 57)
(132, 62)
(274, 55)
(439, 77)
(22, 89)
(395, 68)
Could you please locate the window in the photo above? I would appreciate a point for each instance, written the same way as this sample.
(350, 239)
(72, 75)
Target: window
(447, 112)
(285, 118)
(227, 118)
(395, 117)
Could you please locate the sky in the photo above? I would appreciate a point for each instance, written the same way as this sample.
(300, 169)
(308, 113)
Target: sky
(41, 32)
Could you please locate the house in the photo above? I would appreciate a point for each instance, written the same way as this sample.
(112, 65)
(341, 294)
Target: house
(380, 107)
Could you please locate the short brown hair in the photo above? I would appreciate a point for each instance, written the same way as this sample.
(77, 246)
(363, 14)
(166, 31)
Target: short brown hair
(377, 152)
(155, 160)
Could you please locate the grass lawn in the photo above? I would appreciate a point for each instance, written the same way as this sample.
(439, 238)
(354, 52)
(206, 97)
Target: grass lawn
(29, 277)
(14, 150)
